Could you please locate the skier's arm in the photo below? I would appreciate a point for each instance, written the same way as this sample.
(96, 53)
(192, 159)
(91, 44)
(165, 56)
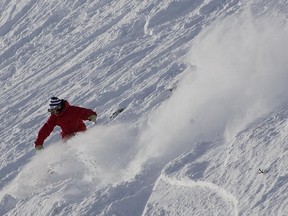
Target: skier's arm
(85, 114)
(45, 131)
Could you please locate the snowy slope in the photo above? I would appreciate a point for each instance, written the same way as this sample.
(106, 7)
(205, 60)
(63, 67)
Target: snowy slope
(203, 84)
(225, 180)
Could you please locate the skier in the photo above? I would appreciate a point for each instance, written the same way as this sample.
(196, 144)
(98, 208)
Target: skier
(69, 118)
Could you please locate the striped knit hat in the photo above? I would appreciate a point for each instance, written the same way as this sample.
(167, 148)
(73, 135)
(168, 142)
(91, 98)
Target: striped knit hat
(54, 102)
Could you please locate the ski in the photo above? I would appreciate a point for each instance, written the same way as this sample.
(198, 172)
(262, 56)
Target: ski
(116, 113)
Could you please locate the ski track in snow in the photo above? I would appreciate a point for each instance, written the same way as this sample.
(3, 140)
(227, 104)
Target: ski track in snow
(184, 71)
(226, 195)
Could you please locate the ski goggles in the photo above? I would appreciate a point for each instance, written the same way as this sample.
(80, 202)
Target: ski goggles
(55, 110)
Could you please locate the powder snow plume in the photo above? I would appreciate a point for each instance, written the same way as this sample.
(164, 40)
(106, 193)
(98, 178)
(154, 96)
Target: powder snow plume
(237, 73)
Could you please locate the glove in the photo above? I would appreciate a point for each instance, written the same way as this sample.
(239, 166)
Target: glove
(39, 147)
(92, 118)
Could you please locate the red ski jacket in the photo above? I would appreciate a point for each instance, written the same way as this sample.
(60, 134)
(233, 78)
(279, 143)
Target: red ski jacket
(70, 121)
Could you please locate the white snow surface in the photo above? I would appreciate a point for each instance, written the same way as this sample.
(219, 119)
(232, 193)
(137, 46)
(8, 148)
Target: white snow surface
(203, 85)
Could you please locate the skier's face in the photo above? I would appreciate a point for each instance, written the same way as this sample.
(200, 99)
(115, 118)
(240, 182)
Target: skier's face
(56, 110)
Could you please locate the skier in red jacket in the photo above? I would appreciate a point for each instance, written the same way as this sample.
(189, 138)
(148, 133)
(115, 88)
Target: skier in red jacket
(69, 118)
